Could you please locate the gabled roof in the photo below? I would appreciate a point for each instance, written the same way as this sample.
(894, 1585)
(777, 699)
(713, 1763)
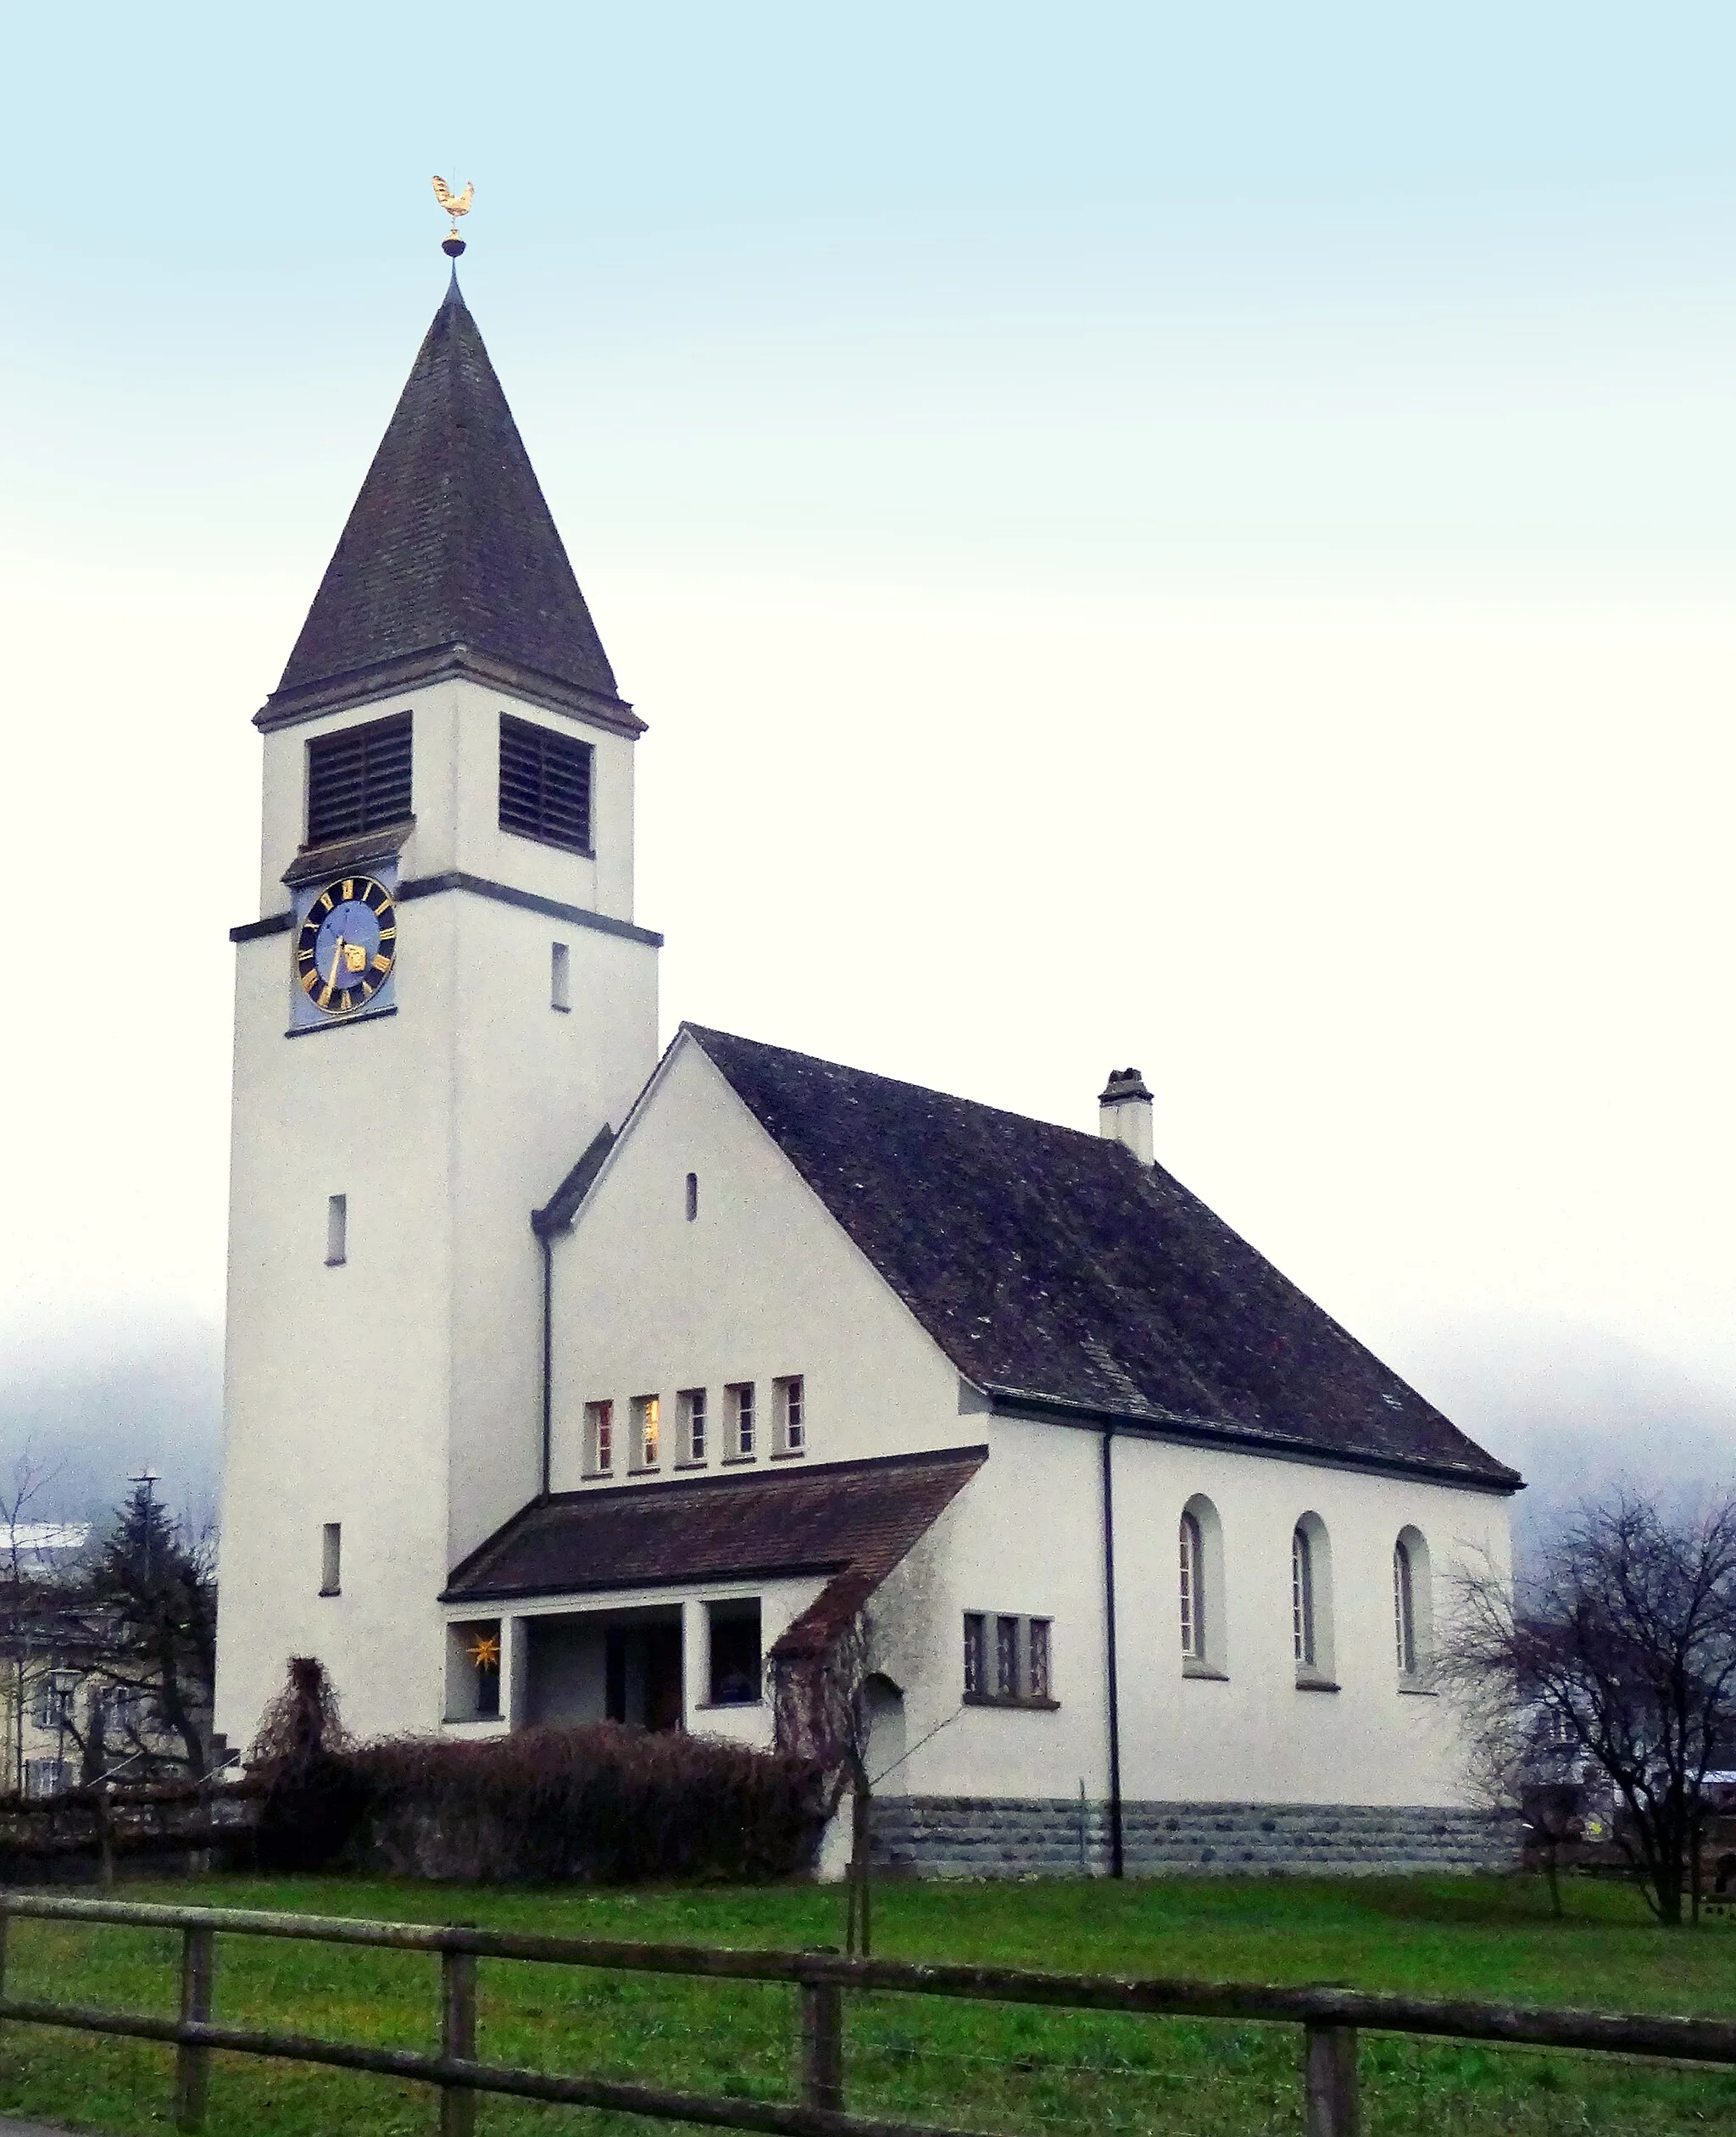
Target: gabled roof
(851, 1520)
(1060, 1274)
(449, 553)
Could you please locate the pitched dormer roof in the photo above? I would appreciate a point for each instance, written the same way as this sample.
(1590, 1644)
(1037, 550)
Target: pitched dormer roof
(1060, 1275)
(450, 559)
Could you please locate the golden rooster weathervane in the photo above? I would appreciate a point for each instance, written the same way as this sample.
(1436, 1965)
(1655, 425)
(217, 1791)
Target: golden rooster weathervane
(455, 204)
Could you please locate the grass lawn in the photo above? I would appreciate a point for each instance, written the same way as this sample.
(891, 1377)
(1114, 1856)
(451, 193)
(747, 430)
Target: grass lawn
(989, 2067)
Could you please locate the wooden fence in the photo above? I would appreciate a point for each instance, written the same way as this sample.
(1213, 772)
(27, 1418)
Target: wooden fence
(1330, 2019)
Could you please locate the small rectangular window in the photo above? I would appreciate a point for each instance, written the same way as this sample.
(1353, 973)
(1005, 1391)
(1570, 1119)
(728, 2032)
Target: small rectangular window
(561, 976)
(646, 1417)
(740, 1408)
(336, 1231)
(976, 1658)
(358, 780)
(693, 1421)
(737, 1669)
(693, 1196)
(792, 1416)
(331, 1558)
(545, 785)
(599, 1437)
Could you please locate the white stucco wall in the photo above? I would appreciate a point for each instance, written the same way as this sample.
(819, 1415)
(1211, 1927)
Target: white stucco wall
(1026, 1538)
(401, 1393)
(762, 1283)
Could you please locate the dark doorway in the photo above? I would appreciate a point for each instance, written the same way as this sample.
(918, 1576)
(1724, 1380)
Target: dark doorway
(663, 1676)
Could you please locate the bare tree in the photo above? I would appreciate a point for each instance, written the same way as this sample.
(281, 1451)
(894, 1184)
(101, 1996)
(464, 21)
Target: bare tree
(1617, 1648)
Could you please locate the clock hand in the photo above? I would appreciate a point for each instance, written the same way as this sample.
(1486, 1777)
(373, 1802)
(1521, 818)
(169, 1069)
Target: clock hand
(336, 959)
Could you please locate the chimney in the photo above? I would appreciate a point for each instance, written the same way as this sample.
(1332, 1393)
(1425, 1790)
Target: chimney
(1124, 1112)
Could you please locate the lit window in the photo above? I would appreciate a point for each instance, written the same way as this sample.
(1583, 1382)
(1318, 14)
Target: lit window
(976, 1659)
(331, 1558)
(741, 1406)
(1192, 1585)
(1302, 1597)
(561, 976)
(792, 1416)
(646, 1411)
(692, 1402)
(599, 1439)
(336, 1231)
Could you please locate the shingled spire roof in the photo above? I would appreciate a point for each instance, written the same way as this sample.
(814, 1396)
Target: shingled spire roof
(450, 559)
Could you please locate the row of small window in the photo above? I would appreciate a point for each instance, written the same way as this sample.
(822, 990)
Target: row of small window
(1007, 1660)
(693, 1427)
(1310, 1598)
(358, 780)
(54, 1696)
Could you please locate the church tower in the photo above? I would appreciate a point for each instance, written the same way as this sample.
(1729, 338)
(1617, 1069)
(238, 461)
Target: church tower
(446, 997)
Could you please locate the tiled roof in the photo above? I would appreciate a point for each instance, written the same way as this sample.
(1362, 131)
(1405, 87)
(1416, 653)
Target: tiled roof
(1057, 1273)
(450, 544)
(854, 1521)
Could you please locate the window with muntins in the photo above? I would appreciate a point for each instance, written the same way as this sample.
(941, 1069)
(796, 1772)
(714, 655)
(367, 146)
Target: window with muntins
(358, 780)
(692, 1404)
(545, 785)
(599, 1437)
(741, 1407)
(1302, 1598)
(647, 1422)
(792, 1416)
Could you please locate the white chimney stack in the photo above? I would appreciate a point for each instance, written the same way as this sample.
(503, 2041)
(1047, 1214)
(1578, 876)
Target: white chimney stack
(1124, 1112)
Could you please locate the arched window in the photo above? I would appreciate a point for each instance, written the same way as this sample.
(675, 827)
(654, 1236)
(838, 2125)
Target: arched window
(1403, 1610)
(1201, 1592)
(1413, 1610)
(1311, 1602)
(1192, 1589)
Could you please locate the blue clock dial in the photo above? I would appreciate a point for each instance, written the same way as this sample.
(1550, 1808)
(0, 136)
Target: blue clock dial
(346, 946)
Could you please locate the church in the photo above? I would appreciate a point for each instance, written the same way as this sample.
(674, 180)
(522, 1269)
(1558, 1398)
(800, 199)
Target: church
(566, 1381)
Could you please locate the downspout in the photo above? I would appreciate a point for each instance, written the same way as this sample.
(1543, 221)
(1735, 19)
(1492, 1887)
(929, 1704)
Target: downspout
(546, 1242)
(1117, 1858)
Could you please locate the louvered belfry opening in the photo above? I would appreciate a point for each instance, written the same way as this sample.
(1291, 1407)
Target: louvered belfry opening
(545, 785)
(358, 780)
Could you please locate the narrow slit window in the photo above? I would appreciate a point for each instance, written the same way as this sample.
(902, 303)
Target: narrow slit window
(1006, 1657)
(693, 1196)
(336, 1231)
(1192, 1597)
(331, 1559)
(1037, 1669)
(1403, 1610)
(561, 976)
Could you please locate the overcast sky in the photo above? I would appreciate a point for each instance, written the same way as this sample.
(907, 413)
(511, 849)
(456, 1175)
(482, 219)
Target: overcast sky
(1201, 537)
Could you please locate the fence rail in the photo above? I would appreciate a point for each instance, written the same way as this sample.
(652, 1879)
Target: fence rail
(1331, 2018)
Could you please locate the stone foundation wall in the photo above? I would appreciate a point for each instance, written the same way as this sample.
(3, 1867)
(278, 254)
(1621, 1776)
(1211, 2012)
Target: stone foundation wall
(953, 1836)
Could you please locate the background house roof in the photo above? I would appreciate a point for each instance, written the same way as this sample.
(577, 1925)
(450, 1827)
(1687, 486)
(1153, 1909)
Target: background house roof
(449, 544)
(853, 1520)
(1055, 1270)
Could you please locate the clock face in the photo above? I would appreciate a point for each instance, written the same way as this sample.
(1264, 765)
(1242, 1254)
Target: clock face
(345, 947)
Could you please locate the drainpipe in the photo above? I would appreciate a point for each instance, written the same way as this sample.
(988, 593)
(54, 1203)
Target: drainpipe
(547, 1244)
(1117, 1860)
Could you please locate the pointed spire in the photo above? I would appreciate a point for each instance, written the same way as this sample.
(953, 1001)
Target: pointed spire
(450, 560)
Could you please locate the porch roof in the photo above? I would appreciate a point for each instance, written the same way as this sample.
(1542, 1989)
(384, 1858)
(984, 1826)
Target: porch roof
(853, 1520)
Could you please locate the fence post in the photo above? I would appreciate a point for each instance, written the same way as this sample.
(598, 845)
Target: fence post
(457, 2039)
(822, 2044)
(192, 2063)
(5, 1923)
(1333, 2105)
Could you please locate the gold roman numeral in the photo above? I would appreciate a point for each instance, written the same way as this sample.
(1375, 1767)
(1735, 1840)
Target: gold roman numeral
(382, 963)
(349, 888)
(323, 999)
